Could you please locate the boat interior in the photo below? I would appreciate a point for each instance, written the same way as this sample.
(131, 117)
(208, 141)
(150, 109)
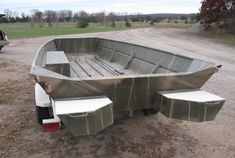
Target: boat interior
(95, 57)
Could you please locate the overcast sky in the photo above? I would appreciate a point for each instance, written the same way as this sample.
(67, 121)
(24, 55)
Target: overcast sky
(121, 6)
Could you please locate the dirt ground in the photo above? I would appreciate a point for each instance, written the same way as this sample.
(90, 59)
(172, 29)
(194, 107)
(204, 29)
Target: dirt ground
(144, 136)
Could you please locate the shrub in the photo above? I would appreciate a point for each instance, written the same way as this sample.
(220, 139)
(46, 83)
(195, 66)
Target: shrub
(82, 23)
(113, 24)
(127, 23)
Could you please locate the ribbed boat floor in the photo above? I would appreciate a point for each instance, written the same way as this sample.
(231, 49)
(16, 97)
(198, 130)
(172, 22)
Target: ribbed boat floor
(87, 65)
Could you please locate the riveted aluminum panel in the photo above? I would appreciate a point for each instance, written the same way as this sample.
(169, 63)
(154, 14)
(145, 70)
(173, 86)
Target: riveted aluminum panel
(196, 105)
(85, 116)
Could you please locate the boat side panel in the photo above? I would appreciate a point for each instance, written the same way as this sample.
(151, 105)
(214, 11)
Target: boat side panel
(126, 93)
(146, 57)
(76, 45)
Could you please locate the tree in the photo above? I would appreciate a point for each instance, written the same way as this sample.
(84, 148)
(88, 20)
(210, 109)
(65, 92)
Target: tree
(50, 16)
(127, 23)
(82, 23)
(61, 14)
(111, 18)
(37, 17)
(214, 11)
(81, 19)
(148, 18)
(69, 15)
(8, 13)
(24, 18)
(231, 15)
(101, 17)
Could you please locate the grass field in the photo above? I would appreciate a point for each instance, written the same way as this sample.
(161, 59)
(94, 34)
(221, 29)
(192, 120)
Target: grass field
(24, 30)
(221, 36)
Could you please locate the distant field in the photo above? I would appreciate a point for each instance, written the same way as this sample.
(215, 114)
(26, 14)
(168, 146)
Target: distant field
(24, 30)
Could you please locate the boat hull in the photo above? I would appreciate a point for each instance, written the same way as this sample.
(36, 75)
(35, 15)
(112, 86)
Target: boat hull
(129, 92)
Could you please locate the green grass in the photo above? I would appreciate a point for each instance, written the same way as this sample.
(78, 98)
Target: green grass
(24, 30)
(220, 36)
(14, 33)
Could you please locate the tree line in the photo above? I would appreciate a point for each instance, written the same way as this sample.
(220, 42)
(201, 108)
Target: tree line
(52, 17)
(82, 18)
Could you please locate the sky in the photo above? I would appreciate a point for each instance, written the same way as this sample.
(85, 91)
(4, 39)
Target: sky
(91, 6)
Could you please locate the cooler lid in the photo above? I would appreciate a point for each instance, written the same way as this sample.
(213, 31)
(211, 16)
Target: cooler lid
(80, 105)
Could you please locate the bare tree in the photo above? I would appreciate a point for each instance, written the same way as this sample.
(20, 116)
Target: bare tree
(69, 15)
(101, 17)
(8, 13)
(50, 16)
(32, 19)
(111, 18)
(65, 15)
(37, 17)
(15, 14)
(81, 14)
(61, 15)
